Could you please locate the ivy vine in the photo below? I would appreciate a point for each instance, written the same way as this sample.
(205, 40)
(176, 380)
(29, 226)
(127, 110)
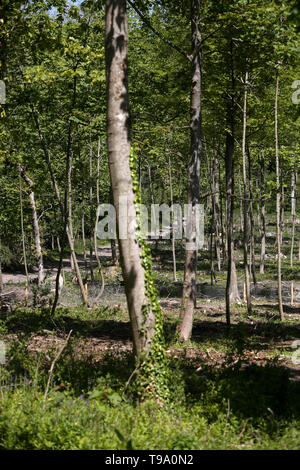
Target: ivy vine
(152, 380)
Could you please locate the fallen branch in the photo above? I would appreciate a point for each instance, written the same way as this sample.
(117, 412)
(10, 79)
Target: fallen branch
(52, 367)
(243, 429)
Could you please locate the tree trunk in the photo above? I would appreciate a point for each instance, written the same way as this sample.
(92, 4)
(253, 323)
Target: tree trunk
(92, 212)
(113, 245)
(191, 254)
(172, 222)
(245, 202)
(278, 194)
(262, 215)
(223, 230)
(70, 220)
(281, 209)
(1, 277)
(232, 293)
(98, 261)
(24, 243)
(118, 145)
(242, 214)
(293, 213)
(84, 246)
(98, 172)
(252, 223)
(36, 228)
(217, 211)
(114, 256)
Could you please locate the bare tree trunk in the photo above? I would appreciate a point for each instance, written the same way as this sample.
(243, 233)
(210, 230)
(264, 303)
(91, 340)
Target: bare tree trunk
(91, 211)
(216, 206)
(150, 184)
(232, 293)
(1, 276)
(96, 223)
(172, 222)
(24, 243)
(113, 245)
(252, 223)
(211, 244)
(262, 215)
(98, 172)
(37, 239)
(153, 213)
(281, 210)
(118, 145)
(36, 228)
(114, 255)
(215, 222)
(223, 230)
(98, 261)
(70, 221)
(191, 254)
(242, 215)
(293, 213)
(84, 246)
(245, 201)
(278, 193)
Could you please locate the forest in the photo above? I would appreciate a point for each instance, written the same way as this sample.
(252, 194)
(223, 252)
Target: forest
(149, 225)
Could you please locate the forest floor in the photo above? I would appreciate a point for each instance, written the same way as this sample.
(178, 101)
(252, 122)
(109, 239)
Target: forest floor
(244, 381)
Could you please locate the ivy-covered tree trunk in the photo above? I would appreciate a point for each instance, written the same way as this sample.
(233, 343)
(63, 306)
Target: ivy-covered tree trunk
(144, 310)
(191, 253)
(121, 181)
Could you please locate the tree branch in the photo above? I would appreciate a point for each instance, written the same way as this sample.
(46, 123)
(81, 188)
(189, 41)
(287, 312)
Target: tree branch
(147, 23)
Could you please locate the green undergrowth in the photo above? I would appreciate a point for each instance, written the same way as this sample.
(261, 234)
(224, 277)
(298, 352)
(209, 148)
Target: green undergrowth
(90, 405)
(104, 422)
(219, 398)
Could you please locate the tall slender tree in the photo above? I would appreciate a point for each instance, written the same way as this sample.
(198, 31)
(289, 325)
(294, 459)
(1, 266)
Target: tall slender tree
(118, 144)
(278, 198)
(191, 253)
